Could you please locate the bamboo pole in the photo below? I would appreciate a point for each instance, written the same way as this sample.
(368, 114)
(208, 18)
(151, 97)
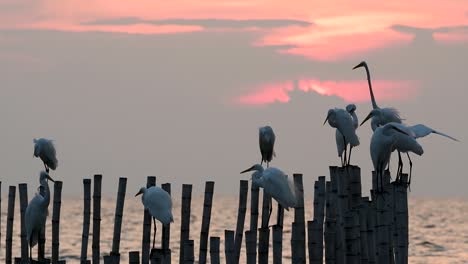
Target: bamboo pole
(56, 221)
(96, 218)
(146, 236)
(296, 244)
(354, 186)
(42, 239)
(401, 221)
(189, 257)
(86, 220)
(185, 222)
(382, 228)
(263, 244)
(205, 226)
(363, 211)
(352, 237)
(266, 203)
(251, 246)
(214, 250)
(9, 227)
(342, 203)
(299, 220)
(23, 193)
(134, 257)
(254, 191)
(243, 191)
(115, 253)
(330, 225)
(277, 244)
(319, 214)
(229, 246)
(166, 232)
(371, 232)
(313, 244)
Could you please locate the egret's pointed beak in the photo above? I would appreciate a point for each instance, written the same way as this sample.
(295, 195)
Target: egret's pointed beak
(50, 178)
(139, 192)
(367, 118)
(326, 119)
(359, 65)
(249, 169)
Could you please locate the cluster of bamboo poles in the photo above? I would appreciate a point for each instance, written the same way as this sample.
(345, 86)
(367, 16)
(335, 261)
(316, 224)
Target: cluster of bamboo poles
(346, 227)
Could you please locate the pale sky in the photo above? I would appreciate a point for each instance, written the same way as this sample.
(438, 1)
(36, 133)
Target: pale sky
(179, 89)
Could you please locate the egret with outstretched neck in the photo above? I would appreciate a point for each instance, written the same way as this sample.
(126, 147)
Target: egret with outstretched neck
(266, 140)
(276, 184)
(45, 150)
(37, 211)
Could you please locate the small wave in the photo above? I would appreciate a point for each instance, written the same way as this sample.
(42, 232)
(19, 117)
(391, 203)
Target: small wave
(432, 246)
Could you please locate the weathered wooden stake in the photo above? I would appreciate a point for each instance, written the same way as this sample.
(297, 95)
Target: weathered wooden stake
(299, 222)
(205, 226)
(401, 221)
(363, 211)
(277, 244)
(251, 246)
(371, 232)
(263, 245)
(96, 218)
(229, 246)
(56, 221)
(185, 222)
(86, 220)
(243, 191)
(189, 257)
(23, 193)
(146, 237)
(9, 227)
(166, 232)
(254, 192)
(115, 253)
(214, 250)
(134, 257)
(330, 225)
(317, 227)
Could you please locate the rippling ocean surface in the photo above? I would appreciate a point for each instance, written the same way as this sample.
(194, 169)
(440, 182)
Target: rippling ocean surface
(438, 228)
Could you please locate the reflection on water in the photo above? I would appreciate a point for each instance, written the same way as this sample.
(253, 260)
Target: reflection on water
(438, 228)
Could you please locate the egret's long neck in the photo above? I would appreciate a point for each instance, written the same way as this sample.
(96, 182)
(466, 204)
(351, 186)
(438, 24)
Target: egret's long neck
(374, 104)
(45, 193)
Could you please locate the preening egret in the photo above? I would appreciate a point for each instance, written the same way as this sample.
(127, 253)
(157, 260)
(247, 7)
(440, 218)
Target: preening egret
(267, 142)
(340, 144)
(159, 204)
(275, 183)
(383, 143)
(37, 211)
(381, 116)
(344, 123)
(45, 150)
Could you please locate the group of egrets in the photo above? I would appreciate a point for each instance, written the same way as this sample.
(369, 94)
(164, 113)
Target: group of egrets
(390, 134)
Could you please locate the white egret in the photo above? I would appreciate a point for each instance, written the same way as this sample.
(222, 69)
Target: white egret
(340, 144)
(381, 116)
(276, 184)
(158, 202)
(382, 144)
(37, 211)
(267, 142)
(344, 123)
(45, 150)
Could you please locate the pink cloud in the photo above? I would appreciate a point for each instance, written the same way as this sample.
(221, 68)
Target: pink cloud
(451, 37)
(349, 91)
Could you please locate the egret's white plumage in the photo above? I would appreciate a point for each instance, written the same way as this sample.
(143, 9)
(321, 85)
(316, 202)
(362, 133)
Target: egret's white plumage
(45, 150)
(275, 183)
(421, 130)
(340, 144)
(267, 142)
(158, 202)
(37, 211)
(381, 116)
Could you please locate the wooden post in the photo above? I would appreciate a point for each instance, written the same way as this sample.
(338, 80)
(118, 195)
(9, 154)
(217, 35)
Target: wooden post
(96, 218)
(214, 250)
(363, 211)
(382, 228)
(330, 225)
(315, 244)
(296, 243)
(118, 218)
(86, 220)
(134, 257)
(9, 227)
(243, 191)
(56, 221)
(371, 232)
(185, 222)
(277, 244)
(319, 214)
(251, 246)
(205, 226)
(166, 232)
(342, 203)
(264, 232)
(352, 237)
(229, 246)
(401, 220)
(354, 186)
(189, 257)
(42, 239)
(299, 220)
(146, 237)
(254, 192)
(23, 193)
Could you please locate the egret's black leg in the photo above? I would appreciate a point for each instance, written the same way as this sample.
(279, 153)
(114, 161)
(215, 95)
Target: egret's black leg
(269, 214)
(345, 150)
(279, 220)
(400, 167)
(350, 149)
(410, 171)
(341, 158)
(30, 253)
(154, 230)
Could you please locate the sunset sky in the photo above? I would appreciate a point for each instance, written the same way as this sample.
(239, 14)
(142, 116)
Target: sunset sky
(178, 89)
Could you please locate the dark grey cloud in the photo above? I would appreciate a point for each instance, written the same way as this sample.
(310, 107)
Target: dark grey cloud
(207, 23)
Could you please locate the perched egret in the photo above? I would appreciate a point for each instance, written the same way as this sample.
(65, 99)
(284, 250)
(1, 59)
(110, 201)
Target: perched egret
(384, 141)
(275, 183)
(344, 123)
(267, 142)
(340, 144)
(45, 150)
(159, 204)
(37, 211)
(380, 116)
